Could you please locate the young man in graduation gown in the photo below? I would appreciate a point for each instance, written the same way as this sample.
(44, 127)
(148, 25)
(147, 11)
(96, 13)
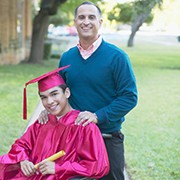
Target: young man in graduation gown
(85, 152)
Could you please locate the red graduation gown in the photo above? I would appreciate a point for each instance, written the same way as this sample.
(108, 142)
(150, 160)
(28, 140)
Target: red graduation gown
(84, 146)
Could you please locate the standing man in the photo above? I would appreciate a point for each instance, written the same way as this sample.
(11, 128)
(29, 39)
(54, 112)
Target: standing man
(102, 84)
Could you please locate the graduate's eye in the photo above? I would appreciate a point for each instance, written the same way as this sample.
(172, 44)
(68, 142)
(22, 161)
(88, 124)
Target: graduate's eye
(54, 94)
(43, 97)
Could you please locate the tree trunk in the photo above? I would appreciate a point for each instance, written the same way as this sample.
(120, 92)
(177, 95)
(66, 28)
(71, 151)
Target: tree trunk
(40, 26)
(134, 28)
(139, 20)
(131, 39)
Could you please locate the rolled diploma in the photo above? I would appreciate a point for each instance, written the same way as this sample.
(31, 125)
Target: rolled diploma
(52, 158)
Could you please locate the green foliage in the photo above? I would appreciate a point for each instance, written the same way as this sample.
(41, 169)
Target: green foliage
(65, 13)
(128, 12)
(60, 18)
(149, 19)
(143, 6)
(121, 13)
(47, 50)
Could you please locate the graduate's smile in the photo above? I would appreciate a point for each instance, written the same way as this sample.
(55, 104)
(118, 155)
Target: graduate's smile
(53, 107)
(55, 100)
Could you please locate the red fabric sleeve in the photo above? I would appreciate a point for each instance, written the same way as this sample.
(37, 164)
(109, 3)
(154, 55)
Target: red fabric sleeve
(22, 147)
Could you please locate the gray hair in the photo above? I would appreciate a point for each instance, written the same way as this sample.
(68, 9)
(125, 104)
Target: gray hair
(87, 3)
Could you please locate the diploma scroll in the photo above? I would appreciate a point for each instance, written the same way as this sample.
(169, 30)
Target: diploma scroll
(52, 158)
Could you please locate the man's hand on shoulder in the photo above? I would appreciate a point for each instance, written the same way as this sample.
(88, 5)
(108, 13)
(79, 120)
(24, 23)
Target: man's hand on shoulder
(43, 117)
(86, 117)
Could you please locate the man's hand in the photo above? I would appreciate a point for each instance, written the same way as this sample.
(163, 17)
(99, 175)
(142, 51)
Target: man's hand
(43, 117)
(46, 167)
(85, 118)
(27, 168)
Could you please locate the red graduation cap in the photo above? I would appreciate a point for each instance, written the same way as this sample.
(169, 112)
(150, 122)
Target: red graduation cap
(45, 82)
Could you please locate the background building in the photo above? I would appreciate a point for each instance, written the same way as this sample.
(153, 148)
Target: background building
(15, 30)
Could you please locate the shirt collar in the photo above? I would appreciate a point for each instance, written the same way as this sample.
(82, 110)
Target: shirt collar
(94, 45)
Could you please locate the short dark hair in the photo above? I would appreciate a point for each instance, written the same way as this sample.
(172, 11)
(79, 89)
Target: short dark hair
(87, 3)
(63, 87)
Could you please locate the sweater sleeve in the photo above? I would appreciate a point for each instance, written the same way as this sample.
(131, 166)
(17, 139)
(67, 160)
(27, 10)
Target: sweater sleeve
(92, 155)
(126, 91)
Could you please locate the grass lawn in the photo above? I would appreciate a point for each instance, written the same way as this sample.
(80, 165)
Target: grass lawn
(152, 129)
(12, 80)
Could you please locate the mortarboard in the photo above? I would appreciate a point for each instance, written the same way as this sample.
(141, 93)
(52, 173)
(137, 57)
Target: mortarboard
(45, 82)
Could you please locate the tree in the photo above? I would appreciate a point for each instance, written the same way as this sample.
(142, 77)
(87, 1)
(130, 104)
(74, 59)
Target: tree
(67, 9)
(40, 26)
(41, 21)
(136, 12)
(142, 9)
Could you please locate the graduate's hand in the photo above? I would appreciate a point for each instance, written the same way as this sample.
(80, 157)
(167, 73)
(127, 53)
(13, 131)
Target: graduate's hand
(46, 167)
(27, 168)
(43, 117)
(85, 118)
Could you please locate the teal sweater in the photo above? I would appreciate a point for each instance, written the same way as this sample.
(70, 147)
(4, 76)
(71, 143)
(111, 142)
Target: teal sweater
(104, 84)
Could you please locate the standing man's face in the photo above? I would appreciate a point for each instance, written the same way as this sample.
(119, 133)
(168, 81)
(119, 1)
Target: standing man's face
(88, 22)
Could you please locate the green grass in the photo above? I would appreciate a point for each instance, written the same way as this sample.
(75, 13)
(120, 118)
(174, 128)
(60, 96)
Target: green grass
(152, 129)
(12, 80)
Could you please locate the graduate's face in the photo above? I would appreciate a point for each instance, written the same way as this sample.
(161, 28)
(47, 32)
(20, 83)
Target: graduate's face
(55, 100)
(87, 22)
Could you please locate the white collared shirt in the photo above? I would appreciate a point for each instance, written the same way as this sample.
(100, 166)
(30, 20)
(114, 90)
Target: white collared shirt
(92, 48)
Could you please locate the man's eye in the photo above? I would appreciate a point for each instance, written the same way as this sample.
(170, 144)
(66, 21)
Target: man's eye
(91, 17)
(81, 17)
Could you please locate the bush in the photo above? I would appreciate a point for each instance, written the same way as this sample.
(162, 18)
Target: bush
(55, 56)
(47, 50)
(178, 38)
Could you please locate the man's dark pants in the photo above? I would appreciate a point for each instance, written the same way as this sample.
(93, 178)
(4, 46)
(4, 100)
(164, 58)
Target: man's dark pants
(115, 150)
